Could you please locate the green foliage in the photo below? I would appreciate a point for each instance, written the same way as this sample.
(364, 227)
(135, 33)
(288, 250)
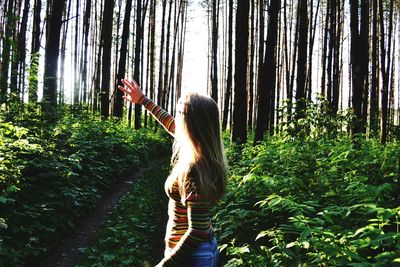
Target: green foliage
(311, 201)
(133, 235)
(316, 120)
(54, 171)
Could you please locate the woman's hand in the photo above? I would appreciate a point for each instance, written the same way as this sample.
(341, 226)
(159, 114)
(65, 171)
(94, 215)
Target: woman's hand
(132, 91)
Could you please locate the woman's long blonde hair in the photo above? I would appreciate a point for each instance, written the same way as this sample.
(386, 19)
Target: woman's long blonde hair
(198, 148)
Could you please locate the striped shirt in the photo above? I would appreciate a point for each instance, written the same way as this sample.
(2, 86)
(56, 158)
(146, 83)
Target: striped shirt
(160, 114)
(189, 224)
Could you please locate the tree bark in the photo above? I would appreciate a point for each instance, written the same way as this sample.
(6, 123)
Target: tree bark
(266, 89)
(52, 52)
(214, 50)
(9, 26)
(302, 59)
(228, 88)
(374, 72)
(385, 67)
(34, 64)
(355, 68)
(106, 40)
(239, 129)
(118, 103)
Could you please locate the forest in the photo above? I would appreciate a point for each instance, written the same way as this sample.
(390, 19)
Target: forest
(309, 99)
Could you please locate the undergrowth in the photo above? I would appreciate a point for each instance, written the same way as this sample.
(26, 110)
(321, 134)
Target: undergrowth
(134, 233)
(54, 168)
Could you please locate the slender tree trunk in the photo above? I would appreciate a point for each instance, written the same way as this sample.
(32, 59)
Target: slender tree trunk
(293, 64)
(52, 52)
(251, 67)
(97, 80)
(239, 129)
(161, 58)
(122, 60)
(152, 30)
(302, 59)
(138, 48)
(228, 89)
(85, 34)
(63, 52)
(22, 50)
(385, 67)
(355, 68)
(9, 26)
(34, 64)
(214, 50)
(266, 89)
(106, 40)
(336, 60)
(364, 53)
(181, 50)
(325, 49)
(14, 90)
(374, 79)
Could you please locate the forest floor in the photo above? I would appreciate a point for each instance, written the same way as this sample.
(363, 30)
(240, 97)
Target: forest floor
(68, 252)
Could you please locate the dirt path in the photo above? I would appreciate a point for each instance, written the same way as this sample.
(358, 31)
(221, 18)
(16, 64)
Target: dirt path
(68, 253)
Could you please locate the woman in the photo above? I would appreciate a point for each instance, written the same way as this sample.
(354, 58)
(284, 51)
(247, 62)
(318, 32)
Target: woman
(198, 177)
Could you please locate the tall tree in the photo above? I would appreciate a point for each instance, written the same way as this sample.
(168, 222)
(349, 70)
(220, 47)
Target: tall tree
(21, 51)
(9, 26)
(250, 73)
(140, 8)
(266, 87)
(34, 64)
(302, 58)
(52, 51)
(106, 39)
(355, 67)
(161, 55)
(228, 88)
(374, 71)
(85, 33)
(214, 49)
(364, 54)
(122, 59)
(239, 122)
(386, 50)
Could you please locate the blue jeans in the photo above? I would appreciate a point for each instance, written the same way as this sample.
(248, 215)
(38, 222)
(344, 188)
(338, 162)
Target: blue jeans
(206, 255)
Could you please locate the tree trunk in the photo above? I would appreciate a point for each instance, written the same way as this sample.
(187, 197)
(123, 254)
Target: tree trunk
(136, 72)
(266, 87)
(228, 88)
(9, 26)
(85, 34)
(34, 65)
(106, 40)
(251, 68)
(302, 59)
(239, 129)
(122, 60)
(63, 53)
(355, 68)
(161, 58)
(364, 53)
(374, 72)
(22, 50)
(214, 50)
(385, 67)
(52, 52)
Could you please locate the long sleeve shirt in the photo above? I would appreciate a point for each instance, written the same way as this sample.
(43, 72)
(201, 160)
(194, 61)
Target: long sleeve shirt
(189, 224)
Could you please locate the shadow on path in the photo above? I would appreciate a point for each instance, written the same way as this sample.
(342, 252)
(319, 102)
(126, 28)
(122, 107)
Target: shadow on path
(68, 252)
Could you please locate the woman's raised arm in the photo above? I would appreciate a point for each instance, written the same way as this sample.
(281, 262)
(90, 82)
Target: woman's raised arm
(135, 95)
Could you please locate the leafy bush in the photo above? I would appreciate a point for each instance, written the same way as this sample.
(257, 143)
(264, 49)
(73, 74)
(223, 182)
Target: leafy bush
(53, 172)
(134, 233)
(311, 201)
